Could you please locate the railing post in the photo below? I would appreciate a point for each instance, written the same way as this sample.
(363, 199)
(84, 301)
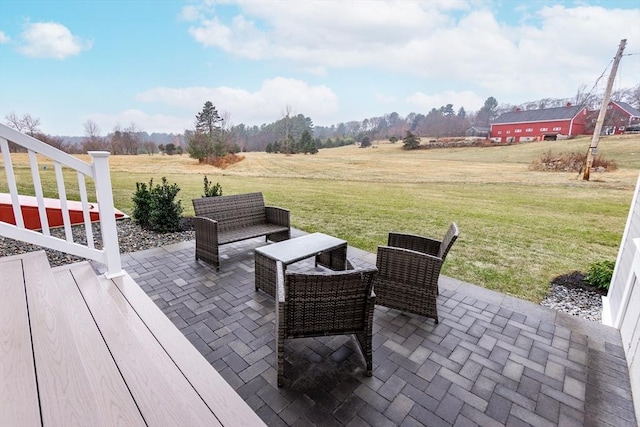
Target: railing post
(107, 218)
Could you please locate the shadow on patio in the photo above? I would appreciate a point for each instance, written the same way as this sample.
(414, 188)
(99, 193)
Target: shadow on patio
(492, 359)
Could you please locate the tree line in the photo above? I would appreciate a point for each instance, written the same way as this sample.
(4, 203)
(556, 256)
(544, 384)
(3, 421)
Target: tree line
(214, 135)
(130, 140)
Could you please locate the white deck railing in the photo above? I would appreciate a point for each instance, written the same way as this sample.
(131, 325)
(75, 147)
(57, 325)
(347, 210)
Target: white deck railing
(98, 171)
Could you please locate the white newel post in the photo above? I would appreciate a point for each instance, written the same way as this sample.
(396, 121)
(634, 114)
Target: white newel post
(108, 227)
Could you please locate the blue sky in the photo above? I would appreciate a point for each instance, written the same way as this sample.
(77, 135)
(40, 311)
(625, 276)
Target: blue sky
(155, 63)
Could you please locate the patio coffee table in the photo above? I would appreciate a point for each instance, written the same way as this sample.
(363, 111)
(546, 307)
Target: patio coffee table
(329, 251)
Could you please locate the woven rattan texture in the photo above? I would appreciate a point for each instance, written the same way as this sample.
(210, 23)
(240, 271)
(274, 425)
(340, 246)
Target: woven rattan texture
(226, 219)
(409, 269)
(325, 303)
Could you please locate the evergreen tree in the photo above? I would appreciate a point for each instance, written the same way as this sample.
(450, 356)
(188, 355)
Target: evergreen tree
(207, 120)
(206, 140)
(306, 142)
(411, 142)
(487, 113)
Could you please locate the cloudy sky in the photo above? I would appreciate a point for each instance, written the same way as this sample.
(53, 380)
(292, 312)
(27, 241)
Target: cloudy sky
(155, 62)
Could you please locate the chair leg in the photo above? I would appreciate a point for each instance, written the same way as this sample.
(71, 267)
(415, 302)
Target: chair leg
(366, 347)
(280, 357)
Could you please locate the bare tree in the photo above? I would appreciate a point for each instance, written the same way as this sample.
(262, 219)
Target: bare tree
(150, 147)
(629, 95)
(634, 97)
(287, 126)
(226, 131)
(25, 124)
(116, 139)
(131, 139)
(91, 129)
(93, 141)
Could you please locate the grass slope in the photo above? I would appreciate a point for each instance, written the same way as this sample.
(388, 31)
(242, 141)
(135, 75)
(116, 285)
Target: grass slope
(519, 228)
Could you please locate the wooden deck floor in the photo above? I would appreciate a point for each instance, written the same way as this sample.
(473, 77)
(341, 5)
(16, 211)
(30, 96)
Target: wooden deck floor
(78, 349)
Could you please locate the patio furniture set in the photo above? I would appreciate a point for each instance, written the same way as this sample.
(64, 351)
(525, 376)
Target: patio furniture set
(338, 300)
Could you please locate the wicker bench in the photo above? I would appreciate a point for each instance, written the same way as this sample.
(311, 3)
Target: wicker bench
(227, 219)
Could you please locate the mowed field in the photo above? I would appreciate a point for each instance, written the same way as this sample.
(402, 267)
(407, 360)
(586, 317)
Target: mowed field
(518, 228)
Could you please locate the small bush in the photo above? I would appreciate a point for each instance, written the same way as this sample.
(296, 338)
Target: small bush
(600, 273)
(166, 212)
(411, 141)
(142, 204)
(211, 190)
(570, 162)
(155, 208)
(223, 162)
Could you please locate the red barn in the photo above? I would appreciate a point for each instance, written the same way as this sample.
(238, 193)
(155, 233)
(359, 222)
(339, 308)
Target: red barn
(538, 125)
(619, 116)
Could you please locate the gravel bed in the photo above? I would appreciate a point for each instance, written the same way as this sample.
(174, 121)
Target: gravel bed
(571, 299)
(576, 301)
(131, 237)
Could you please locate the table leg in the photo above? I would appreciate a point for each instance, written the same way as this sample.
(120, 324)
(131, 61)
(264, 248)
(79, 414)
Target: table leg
(335, 259)
(265, 274)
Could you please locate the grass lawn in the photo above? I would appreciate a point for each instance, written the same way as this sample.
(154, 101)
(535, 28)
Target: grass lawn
(518, 228)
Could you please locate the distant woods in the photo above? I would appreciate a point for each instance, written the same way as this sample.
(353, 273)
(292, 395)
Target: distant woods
(213, 136)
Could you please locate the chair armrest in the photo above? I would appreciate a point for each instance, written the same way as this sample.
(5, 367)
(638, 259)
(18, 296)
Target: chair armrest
(351, 267)
(206, 228)
(414, 242)
(405, 265)
(279, 282)
(278, 216)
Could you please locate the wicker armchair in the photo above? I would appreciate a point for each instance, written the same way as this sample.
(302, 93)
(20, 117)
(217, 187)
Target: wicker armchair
(408, 271)
(325, 303)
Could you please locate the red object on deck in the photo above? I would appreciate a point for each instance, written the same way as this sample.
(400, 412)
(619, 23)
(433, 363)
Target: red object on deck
(31, 217)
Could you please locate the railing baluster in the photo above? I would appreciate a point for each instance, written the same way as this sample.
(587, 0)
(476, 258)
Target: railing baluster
(11, 181)
(85, 210)
(98, 171)
(62, 194)
(37, 186)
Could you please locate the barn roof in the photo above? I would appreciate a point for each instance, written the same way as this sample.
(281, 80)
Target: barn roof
(633, 112)
(544, 115)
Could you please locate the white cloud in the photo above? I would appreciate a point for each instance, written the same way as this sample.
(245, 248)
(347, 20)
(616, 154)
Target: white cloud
(51, 40)
(4, 38)
(262, 106)
(316, 33)
(544, 51)
(189, 13)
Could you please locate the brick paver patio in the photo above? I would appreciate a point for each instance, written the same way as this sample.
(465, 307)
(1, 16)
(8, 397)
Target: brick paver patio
(492, 360)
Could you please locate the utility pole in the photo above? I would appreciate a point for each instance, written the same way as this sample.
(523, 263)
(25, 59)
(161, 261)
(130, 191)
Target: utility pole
(603, 112)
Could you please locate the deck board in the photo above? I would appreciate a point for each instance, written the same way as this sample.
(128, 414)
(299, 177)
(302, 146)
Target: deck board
(78, 349)
(66, 397)
(150, 373)
(114, 403)
(18, 391)
(219, 396)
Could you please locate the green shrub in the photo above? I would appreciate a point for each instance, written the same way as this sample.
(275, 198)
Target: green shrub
(211, 190)
(411, 141)
(600, 273)
(155, 208)
(142, 204)
(166, 212)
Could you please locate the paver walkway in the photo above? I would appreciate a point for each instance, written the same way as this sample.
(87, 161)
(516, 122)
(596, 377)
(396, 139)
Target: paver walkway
(492, 360)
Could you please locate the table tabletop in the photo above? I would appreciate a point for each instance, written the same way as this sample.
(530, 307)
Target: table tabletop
(299, 248)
